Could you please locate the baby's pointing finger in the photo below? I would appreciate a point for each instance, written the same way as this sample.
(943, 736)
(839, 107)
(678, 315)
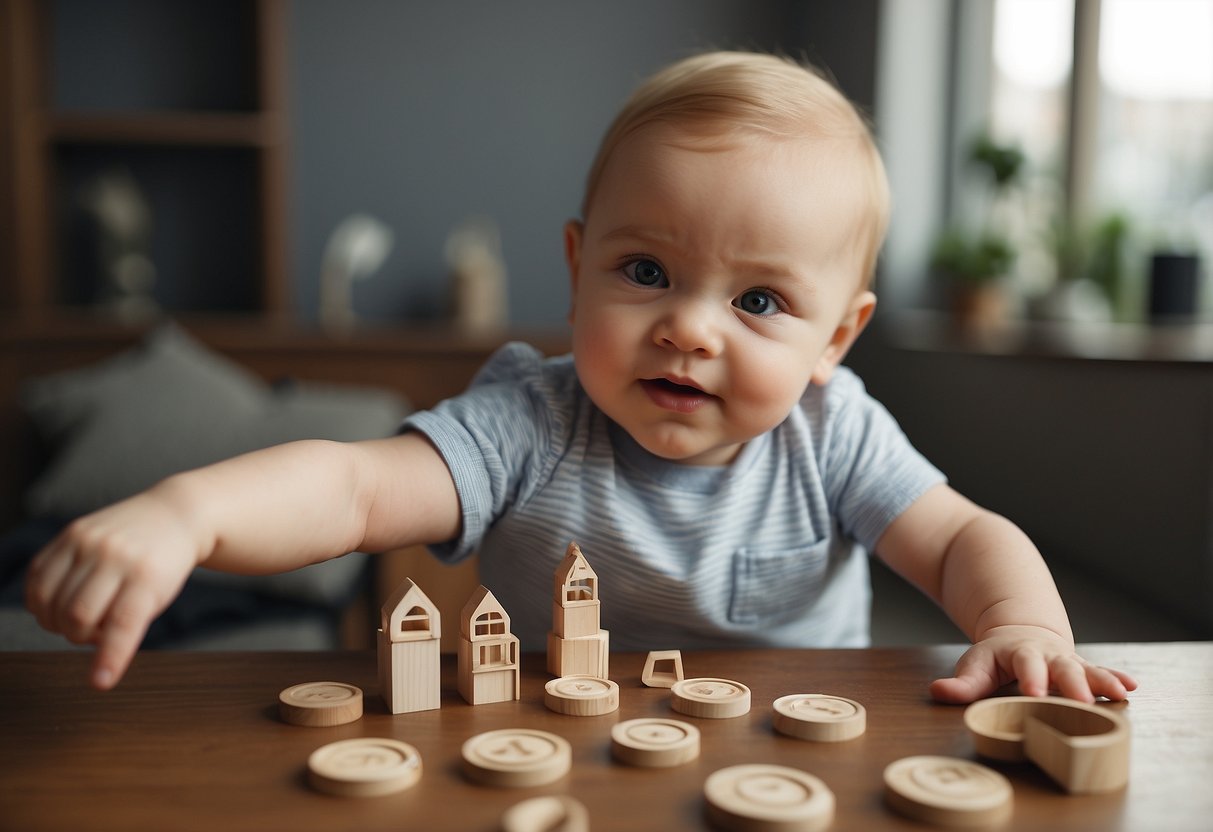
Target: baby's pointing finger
(120, 635)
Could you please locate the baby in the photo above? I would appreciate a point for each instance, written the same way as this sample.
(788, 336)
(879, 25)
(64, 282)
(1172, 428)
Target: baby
(725, 476)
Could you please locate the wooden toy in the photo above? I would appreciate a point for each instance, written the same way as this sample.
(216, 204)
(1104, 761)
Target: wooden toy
(947, 791)
(581, 696)
(656, 674)
(1084, 748)
(320, 704)
(516, 757)
(818, 717)
(554, 813)
(488, 651)
(710, 698)
(768, 798)
(577, 645)
(654, 743)
(364, 767)
(409, 651)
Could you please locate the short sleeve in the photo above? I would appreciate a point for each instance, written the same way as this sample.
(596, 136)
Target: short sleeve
(872, 472)
(495, 438)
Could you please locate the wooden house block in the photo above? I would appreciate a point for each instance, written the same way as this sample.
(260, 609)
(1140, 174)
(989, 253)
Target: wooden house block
(488, 651)
(575, 605)
(585, 656)
(409, 650)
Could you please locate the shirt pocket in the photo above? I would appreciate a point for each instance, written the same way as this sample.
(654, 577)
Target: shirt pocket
(771, 586)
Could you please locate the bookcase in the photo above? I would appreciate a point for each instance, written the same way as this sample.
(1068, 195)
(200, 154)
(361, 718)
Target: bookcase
(184, 99)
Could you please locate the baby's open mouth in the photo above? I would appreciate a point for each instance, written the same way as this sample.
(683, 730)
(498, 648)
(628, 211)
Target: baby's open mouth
(674, 387)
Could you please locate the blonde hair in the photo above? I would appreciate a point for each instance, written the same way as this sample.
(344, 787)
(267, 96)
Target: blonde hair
(720, 94)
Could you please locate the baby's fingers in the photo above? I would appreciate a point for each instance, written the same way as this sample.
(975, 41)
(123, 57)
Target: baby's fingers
(977, 675)
(44, 580)
(1113, 684)
(120, 635)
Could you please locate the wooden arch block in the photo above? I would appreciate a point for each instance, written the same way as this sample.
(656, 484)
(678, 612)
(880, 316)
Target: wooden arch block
(662, 668)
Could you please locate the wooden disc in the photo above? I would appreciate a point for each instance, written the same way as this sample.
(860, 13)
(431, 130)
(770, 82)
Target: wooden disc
(710, 698)
(516, 757)
(554, 813)
(320, 704)
(767, 798)
(654, 743)
(819, 717)
(581, 695)
(948, 791)
(364, 767)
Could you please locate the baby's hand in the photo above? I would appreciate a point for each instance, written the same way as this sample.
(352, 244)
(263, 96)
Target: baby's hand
(107, 575)
(1039, 659)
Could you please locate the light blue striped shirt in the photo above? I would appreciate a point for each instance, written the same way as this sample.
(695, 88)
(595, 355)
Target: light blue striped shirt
(770, 550)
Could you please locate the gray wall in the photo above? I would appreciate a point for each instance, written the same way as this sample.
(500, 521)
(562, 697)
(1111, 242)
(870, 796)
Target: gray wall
(423, 113)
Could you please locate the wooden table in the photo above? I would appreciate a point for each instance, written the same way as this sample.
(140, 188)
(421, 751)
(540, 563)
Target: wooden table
(193, 741)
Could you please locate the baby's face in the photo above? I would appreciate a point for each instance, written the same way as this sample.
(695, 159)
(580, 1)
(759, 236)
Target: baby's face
(710, 286)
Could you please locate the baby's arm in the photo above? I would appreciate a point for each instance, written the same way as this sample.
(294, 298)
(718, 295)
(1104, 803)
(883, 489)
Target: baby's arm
(989, 577)
(108, 574)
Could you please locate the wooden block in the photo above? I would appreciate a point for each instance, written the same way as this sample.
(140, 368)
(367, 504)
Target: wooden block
(586, 656)
(819, 717)
(516, 758)
(364, 767)
(650, 742)
(409, 615)
(947, 791)
(1084, 748)
(320, 704)
(767, 798)
(410, 674)
(662, 668)
(710, 698)
(581, 696)
(488, 670)
(576, 620)
(554, 813)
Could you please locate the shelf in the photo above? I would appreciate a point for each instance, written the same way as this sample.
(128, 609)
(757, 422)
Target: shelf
(182, 129)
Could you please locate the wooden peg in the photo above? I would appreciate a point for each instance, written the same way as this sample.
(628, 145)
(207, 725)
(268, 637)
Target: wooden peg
(710, 698)
(767, 798)
(516, 757)
(654, 743)
(947, 791)
(553, 813)
(364, 767)
(581, 696)
(1084, 748)
(662, 668)
(320, 704)
(818, 717)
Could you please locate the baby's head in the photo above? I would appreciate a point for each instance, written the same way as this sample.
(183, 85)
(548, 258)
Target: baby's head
(730, 228)
(738, 96)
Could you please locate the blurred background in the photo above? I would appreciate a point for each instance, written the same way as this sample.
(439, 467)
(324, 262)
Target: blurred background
(387, 181)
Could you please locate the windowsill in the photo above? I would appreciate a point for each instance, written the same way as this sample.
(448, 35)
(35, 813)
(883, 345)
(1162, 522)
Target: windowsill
(933, 331)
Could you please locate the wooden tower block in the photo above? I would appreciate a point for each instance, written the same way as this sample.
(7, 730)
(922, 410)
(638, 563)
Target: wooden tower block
(409, 641)
(575, 605)
(585, 656)
(488, 651)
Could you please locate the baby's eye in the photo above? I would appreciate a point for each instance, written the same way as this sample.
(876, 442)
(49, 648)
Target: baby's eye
(757, 302)
(646, 273)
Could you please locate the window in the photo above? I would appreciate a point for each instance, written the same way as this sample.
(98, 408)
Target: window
(1112, 103)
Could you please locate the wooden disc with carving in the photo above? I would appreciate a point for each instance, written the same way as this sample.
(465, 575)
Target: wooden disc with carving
(768, 798)
(553, 813)
(581, 695)
(320, 704)
(710, 698)
(364, 767)
(516, 757)
(819, 717)
(654, 742)
(947, 791)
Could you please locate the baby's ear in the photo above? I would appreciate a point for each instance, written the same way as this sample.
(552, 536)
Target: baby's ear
(853, 321)
(573, 231)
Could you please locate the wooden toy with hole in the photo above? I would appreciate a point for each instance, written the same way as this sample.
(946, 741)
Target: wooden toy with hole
(409, 640)
(577, 645)
(947, 791)
(1083, 748)
(662, 668)
(581, 696)
(819, 717)
(710, 698)
(488, 651)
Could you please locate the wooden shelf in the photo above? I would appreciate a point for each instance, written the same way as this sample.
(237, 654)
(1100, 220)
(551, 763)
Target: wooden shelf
(183, 129)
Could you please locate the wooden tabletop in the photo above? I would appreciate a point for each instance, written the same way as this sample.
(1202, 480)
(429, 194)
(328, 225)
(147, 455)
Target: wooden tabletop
(194, 741)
